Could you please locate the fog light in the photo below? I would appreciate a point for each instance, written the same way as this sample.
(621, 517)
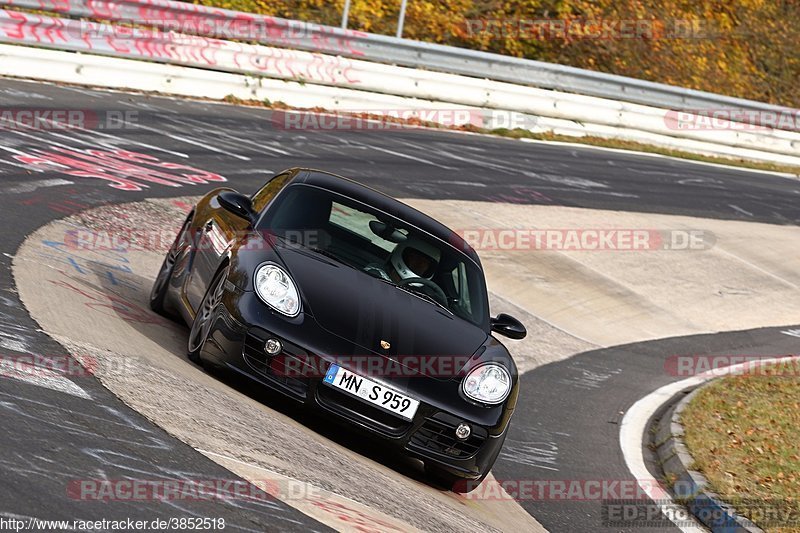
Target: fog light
(463, 431)
(273, 347)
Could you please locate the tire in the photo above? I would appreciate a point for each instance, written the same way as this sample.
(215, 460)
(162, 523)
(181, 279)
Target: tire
(161, 285)
(201, 325)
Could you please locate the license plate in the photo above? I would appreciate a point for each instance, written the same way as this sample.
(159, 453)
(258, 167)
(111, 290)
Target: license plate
(372, 392)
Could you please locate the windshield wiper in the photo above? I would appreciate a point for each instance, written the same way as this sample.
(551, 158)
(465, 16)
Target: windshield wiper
(424, 296)
(330, 255)
(326, 253)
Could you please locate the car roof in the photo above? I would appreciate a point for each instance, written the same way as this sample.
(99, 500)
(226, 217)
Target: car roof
(367, 195)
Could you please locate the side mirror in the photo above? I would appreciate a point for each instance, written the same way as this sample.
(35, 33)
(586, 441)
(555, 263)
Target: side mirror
(238, 204)
(509, 326)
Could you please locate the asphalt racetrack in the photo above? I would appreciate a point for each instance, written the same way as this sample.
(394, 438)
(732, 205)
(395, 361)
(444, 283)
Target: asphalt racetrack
(577, 386)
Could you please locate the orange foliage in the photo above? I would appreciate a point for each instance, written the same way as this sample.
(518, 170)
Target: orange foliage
(744, 48)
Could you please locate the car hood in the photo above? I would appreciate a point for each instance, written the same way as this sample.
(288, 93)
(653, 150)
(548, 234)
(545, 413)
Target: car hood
(365, 311)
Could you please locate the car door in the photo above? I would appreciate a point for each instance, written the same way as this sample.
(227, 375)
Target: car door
(218, 234)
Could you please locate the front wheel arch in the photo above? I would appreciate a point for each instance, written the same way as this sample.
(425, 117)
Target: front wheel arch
(159, 292)
(205, 315)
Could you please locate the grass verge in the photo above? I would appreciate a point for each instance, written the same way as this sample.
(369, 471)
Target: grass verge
(743, 433)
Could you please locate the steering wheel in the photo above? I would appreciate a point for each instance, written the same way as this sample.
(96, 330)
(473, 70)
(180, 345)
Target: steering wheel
(438, 293)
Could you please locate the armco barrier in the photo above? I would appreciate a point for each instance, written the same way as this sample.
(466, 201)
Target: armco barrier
(544, 110)
(273, 31)
(100, 71)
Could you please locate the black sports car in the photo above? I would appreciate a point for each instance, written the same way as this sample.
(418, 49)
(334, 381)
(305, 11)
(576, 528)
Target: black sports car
(355, 304)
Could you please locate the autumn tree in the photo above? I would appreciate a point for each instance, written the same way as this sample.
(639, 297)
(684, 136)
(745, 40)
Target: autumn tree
(744, 48)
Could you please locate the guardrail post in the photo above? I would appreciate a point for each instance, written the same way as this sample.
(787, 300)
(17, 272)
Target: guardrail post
(345, 14)
(402, 19)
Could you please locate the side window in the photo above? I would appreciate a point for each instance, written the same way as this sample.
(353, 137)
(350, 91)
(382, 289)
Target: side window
(268, 191)
(462, 286)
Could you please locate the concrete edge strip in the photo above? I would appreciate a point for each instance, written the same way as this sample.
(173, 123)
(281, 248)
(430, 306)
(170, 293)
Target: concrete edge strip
(689, 485)
(633, 435)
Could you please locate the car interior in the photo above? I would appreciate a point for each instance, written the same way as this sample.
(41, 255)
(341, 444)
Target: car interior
(347, 232)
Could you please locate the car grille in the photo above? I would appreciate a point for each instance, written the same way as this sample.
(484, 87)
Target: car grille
(353, 408)
(438, 434)
(274, 367)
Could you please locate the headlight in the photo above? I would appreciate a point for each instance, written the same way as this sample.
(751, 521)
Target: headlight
(488, 383)
(276, 289)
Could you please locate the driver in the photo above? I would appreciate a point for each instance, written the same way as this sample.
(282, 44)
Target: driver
(413, 258)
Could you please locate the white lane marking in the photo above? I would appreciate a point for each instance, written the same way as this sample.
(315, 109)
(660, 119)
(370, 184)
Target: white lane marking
(452, 155)
(144, 105)
(87, 92)
(541, 454)
(792, 332)
(40, 377)
(265, 145)
(707, 182)
(634, 425)
(411, 157)
(120, 141)
(24, 95)
(44, 140)
(190, 141)
(33, 185)
(51, 142)
(27, 168)
(368, 146)
(9, 343)
(587, 191)
(740, 210)
(245, 171)
(465, 183)
(572, 184)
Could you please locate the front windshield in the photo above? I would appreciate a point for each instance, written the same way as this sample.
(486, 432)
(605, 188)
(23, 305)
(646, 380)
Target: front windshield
(381, 246)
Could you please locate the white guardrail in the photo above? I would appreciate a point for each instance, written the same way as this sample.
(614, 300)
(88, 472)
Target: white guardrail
(337, 82)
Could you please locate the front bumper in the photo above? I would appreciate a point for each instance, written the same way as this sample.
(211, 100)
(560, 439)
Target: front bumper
(236, 343)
